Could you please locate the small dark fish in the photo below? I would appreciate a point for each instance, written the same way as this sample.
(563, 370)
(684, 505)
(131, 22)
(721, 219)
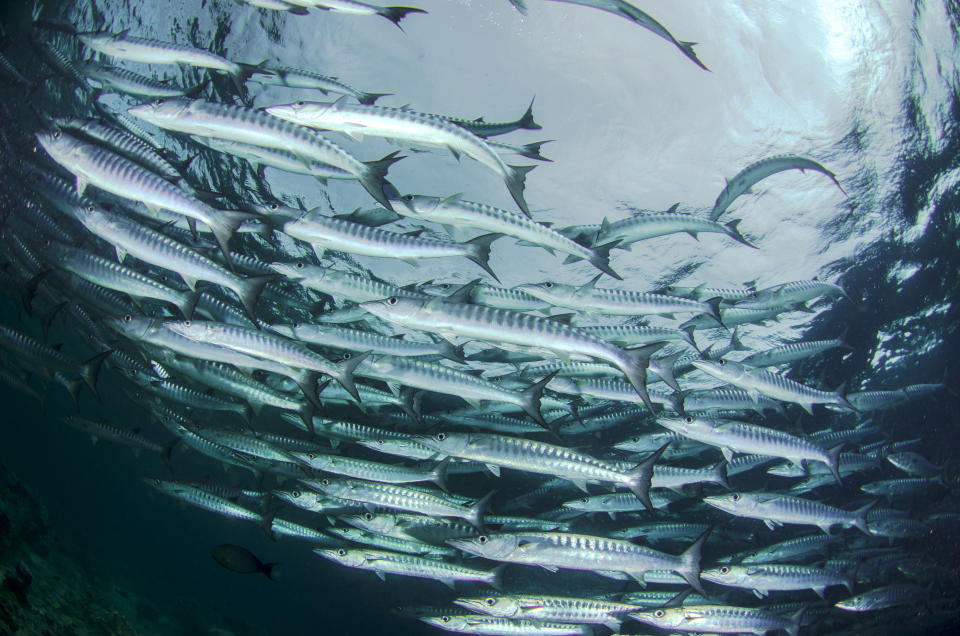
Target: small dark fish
(238, 559)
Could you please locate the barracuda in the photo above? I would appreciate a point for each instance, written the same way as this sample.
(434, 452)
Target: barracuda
(382, 563)
(129, 237)
(793, 352)
(405, 498)
(352, 287)
(791, 294)
(325, 233)
(115, 174)
(276, 348)
(245, 125)
(454, 212)
(613, 503)
(98, 429)
(766, 578)
(202, 499)
(479, 624)
(372, 471)
(730, 437)
(762, 169)
(49, 359)
(759, 381)
(538, 457)
(112, 275)
(354, 7)
(618, 302)
(499, 326)
(640, 227)
(775, 509)
(274, 158)
(635, 15)
(724, 619)
(633, 335)
(131, 83)
(123, 143)
(797, 549)
(435, 377)
(556, 550)
(393, 544)
(297, 78)
(124, 46)
(361, 341)
(550, 608)
(485, 129)
(405, 125)
(725, 399)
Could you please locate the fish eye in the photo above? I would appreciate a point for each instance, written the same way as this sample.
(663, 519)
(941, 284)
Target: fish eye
(724, 570)
(325, 482)
(490, 602)
(736, 497)
(301, 103)
(186, 323)
(585, 499)
(300, 265)
(722, 362)
(311, 455)
(548, 285)
(295, 325)
(159, 102)
(127, 318)
(296, 494)
(157, 482)
(635, 439)
(346, 356)
(441, 437)
(341, 552)
(659, 613)
(56, 134)
(445, 619)
(368, 516)
(274, 207)
(392, 300)
(688, 419)
(89, 208)
(482, 539)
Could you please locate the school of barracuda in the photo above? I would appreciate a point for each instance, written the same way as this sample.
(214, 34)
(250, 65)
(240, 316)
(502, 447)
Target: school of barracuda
(401, 406)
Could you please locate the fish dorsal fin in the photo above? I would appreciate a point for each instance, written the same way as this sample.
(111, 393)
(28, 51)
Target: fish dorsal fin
(565, 319)
(478, 120)
(453, 198)
(590, 286)
(462, 293)
(673, 209)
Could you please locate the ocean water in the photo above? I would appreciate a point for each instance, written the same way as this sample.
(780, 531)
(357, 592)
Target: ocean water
(869, 90)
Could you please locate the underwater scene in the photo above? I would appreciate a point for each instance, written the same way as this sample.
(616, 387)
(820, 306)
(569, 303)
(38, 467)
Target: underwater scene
(546, 317)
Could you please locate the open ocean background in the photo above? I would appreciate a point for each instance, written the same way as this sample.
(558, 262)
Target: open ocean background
(869, 89)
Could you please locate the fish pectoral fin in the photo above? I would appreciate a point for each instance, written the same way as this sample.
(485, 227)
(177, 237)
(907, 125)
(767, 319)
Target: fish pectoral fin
(581, 484)
(189, 280)
(493, 468)
(727, 454)
(770, 524)
(381, 576)
(81, 185)
(122, 253)
(549, 568)
(356, 135)
(319, 251)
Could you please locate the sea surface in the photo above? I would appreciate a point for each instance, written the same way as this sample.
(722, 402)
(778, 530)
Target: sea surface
(870, 90)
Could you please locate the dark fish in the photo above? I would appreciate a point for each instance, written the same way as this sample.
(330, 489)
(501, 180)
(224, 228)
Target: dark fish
(238, 559)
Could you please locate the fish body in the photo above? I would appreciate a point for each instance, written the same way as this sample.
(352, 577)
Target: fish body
(774, 509)
(297, 78)
(136, 49)
(640, 227)
(760, 170)
(406, 125)
(762, 382)
(723, 619)
(355, 7)
(239, 559)
(766, 578)
(792, 352)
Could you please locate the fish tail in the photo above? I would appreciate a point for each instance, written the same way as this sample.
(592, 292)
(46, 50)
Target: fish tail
(249, 290)
(271, 571)
(795, 620)
(46, 320)
(834, 462)
(410, 402)
(735, 234)
(526, 122)
(641, 475)
(439, 474)
(860, 520)
(368, 99)
(735, 341)
(306, 411)
(714, 311)
(530, 399)
(29, 290)
(188, 303)
(74, 387)
(720, 474)
(395, 14)
(478, 510)
(90, 369)
(374, 178)
(689, 329)
(633, 364)
(600, 258)
(225, 223)
(345, 374)
(480, 252)
(451, 351)
(167, 451)
(532, 150)
(496, 577)
(307, 381)
(687, 48)
(664, 368)
(246, 70)
(690, 570)
(516, 180)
